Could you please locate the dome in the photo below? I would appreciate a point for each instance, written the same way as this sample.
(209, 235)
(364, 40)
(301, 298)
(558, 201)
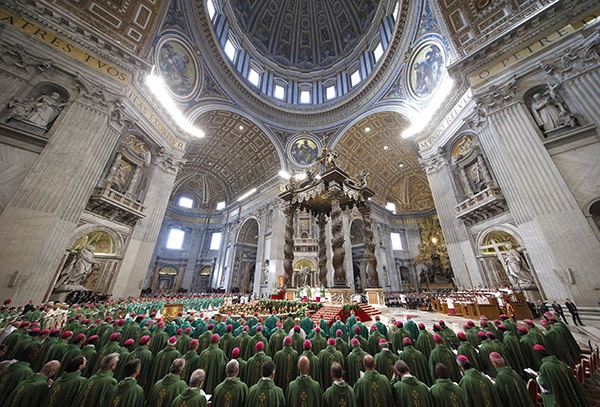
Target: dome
(305, 35)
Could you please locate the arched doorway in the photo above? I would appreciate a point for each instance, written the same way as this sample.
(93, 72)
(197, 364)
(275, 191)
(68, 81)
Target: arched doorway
(246, 249)
(505, 262)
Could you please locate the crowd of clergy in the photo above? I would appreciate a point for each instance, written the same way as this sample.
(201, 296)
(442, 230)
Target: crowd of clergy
(285, 361)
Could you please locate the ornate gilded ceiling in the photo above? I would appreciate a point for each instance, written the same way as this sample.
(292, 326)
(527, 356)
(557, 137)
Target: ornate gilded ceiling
(394, 172)
(235, 156)
(305, 34)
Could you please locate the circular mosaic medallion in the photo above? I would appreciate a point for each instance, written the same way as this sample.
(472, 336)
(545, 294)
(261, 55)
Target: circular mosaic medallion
(302, 150)
(178, 67)
(427, 69)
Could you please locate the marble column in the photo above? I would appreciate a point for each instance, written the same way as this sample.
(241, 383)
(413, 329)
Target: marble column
(372, 274)
(553, 227)
(459, 246)
(288, 250)
(39, 221)
(138, 256)
(339, 253)
(322, 222)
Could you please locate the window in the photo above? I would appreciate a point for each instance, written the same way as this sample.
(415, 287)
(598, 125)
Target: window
(230, 50)
(330, 92)
(378, 52)
(305, 96)
(391, 207)
(355, 78)
(220, 205)
(396, 241)
(175, 240)
(254, 77)
(215, 241)
(279, 92)
(210, 6)
(185, 202)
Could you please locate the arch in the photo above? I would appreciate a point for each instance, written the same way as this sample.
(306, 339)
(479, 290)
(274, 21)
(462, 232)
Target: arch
(357, 232)
(245, 256)
(91, 231)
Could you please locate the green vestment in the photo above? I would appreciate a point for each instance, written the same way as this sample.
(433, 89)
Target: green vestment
(466, 349)
(65, 389)
(190, 398)
(384, 361)
(97, 391)
(446, 393)
(514, 354)
(192, 362)
(315, 372)
(213, 361)
(412, 327)
(342, 346)
(158, 341)
(128, 394)
(425, 343)
(410, 392)
(145, 356)
(479, 390)
(557, 346)
(227, 344)
(276, 341)
(304, 392)
(286, 361)
(559, 384)
(531, 358)
(441, 354)
(417, 363)
(162, 362)
(165, 391)
(30, 392)
(232, 392)
(397, 338)
(242, 342)
(16, 373)
(326, 358)
(265, 394)
(373, 389)
(354, 365)
(511, 389)
(318, 343)
(254, 368)
(340, 394)
(374, 342)
(89, 352)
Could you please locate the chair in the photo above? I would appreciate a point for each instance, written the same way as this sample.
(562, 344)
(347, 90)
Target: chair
(580, 373)
(534, 392)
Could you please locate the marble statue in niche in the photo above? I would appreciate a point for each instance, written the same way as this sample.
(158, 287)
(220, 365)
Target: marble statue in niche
(82, 264)
(38, 111)
(516, 267)
(549, 110)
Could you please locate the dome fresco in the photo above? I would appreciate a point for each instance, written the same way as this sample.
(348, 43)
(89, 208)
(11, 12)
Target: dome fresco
(305, 34)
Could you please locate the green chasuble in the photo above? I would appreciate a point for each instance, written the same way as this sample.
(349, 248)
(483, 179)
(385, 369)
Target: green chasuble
(354, 365)
(286, 361)
(450, 337)
(441, 354)
(531, 358)
(318, 343)
(384, 361)
(304, 392)
(297, 342)
(410, 392)
(276, 341)
(417, 363)
(254, 368)
(192, 362)
(65, 389)
(397, 338)
(190, 398)
(89, 352)
(425, 343)
(479, 390)
(16, 373)
(315, 372)
(466, 349)
(232, 392)
(446, 393)
(326, 358)
(128, 394)
(412, 327)
(340, 394)
(29, 392)
(373, 389)
(557, 346)
(145, 356)
(227, 344)
(164, 391)
(213, 361)
(242, 372)
(514, 355)
(511, 389)
(242, 342)
(342, 346)
(374, 342)
(561, 388)
(97, 391)
(162, 362)
(158, 341)
(265, 394)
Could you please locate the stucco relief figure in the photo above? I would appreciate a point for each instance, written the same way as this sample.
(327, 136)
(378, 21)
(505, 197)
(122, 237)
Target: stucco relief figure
(265, 272)
(76, 272)
(516, 267)
(549, 112)
(45, 109)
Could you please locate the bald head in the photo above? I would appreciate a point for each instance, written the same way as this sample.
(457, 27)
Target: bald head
(50, 368)
(197, 378)
(369, 363)
(177, 366)
(303, 365)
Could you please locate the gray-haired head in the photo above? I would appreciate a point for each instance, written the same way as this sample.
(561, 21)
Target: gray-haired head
(110, 361)
(232, 368)
(197, 378)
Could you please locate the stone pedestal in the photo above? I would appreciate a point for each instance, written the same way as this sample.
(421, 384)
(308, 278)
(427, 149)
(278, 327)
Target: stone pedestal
(375, 296)
(340, 296)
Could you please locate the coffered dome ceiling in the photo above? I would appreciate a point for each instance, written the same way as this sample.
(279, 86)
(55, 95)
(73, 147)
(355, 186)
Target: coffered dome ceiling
(303, 34)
